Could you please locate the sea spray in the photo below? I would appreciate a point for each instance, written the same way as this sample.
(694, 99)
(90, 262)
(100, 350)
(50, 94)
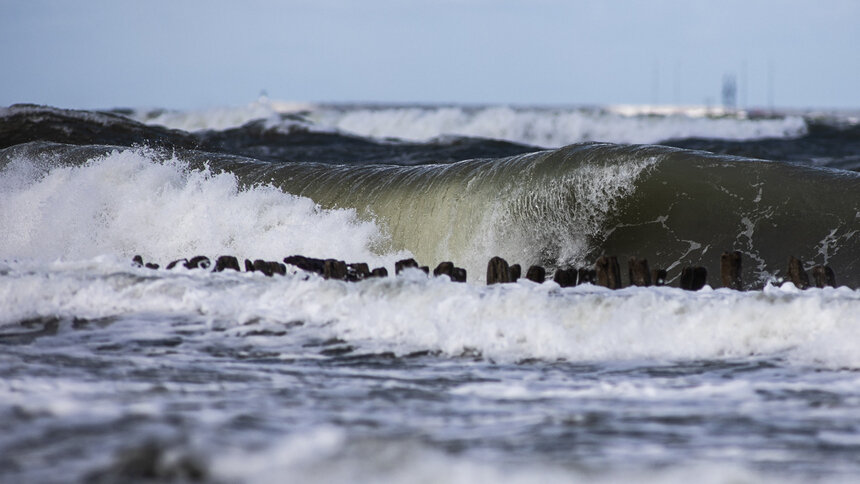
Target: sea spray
(134, 202)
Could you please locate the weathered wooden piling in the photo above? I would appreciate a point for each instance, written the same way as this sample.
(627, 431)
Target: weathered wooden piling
(458, 275)
(515, 272)
(585, 275)
(263, 266)
(498, 271)
(444, 268)
(175, 263)
(693, 278)
(796, 274)
(278, 268)
(823, 276)
(137, 261)
(658, 277)
(225, 262)
(565, 277)
(608, 272)
(637, 271)
(198, 262)
(335, 269)
(730, 270)
(536, 274)
(400, 265)
(308, 264)
(357, 271)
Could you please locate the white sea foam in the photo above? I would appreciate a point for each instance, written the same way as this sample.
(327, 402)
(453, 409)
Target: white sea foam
(819, 327)
(127, 203)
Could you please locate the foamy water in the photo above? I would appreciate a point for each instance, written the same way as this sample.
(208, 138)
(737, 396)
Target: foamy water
(505, 323)
(250, 378)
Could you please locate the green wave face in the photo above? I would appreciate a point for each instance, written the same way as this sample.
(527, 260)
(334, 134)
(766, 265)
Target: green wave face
(569, 206)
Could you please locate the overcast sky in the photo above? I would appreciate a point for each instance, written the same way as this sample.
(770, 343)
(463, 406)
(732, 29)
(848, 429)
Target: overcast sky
(196, 54)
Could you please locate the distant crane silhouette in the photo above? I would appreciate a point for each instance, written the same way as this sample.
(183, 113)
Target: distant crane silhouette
(730, 92)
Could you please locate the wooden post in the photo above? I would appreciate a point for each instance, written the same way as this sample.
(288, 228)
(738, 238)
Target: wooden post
(200, 261)
(446, 268)
(608, 272)
(586, 276)
(335, 269)
(306, 263)
(637, 271)
(177, 262)
(730, 270)
(796, 274)
(514, 272)
(264, 267)
(278, 268)
(693, 278)
(658, 277)
(226, 262)
(823, 276)
(458, 274)
(379, 272)
(536, 274)
(404, 264)
(565, 277)
(357, 271)
(498, 271)
(249, 266)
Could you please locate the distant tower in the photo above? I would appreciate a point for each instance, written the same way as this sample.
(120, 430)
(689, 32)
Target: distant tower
(730, 92)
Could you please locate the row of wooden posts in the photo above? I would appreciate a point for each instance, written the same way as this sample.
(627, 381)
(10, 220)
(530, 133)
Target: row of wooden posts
(606, 271)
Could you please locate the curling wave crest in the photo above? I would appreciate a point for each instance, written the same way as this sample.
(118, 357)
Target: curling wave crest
(128, 202)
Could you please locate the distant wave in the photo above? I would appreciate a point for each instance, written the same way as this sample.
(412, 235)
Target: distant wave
(550, 127)
(545, 127)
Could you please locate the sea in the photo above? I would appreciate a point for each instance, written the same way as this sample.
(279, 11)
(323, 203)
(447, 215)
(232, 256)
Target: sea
(112, 371)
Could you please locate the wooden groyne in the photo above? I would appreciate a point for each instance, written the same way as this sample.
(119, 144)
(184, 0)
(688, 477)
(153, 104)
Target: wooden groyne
(605, 272)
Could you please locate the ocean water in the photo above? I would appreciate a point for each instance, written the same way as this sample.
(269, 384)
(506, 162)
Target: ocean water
(112, 372)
